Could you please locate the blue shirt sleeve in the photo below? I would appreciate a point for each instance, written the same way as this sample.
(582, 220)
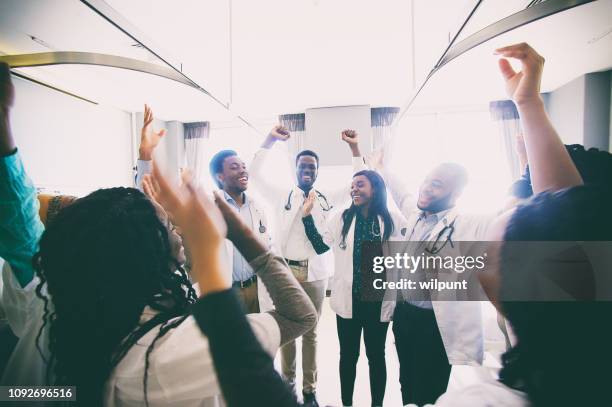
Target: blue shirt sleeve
(20, 225)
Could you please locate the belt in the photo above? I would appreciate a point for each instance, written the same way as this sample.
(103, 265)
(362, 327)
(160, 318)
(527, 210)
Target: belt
(303, 263)
(246, 283)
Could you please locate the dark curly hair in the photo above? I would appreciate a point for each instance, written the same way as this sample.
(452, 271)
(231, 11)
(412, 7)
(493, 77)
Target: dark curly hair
(594, 166)
(104, 259)
(562, 356)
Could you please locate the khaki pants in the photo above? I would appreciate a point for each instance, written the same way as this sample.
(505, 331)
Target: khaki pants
(316, 292)
(249, 298)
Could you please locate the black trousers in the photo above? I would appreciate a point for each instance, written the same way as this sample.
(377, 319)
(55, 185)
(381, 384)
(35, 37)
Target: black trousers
(424, 367)
(374, 336)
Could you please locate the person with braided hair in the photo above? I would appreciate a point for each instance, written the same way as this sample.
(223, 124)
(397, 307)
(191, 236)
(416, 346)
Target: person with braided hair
(112, 310)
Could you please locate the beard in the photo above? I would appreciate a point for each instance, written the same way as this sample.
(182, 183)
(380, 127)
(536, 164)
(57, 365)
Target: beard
(438, 205)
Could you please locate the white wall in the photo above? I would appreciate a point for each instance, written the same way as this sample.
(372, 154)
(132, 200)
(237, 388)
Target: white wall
(68, 145)
(566, 109)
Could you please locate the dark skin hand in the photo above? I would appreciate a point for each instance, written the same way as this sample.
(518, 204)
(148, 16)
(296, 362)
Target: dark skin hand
(238, 232)
(7, 97)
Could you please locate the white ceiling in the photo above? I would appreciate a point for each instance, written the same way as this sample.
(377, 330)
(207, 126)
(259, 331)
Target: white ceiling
(574, 42)
(286, 56)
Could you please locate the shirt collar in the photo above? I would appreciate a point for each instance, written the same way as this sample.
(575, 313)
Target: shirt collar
(231, 200)
(434, 217)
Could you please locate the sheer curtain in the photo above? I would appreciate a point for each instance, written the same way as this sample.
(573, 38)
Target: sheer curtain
(296, 124)
(505, 115)
(382, 118)
(195, 136)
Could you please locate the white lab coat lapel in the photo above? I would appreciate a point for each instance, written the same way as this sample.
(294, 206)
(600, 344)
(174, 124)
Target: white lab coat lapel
(258, 217)
(341, 299)
(459, 322)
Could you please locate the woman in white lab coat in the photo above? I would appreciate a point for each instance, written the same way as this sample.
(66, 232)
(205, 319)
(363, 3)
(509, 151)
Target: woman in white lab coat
(360, 233)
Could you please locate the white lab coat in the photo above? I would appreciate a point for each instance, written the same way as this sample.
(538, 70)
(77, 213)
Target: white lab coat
(341, 300)
(259, 220)
(460, 322)
(484, 394)
(320, 267)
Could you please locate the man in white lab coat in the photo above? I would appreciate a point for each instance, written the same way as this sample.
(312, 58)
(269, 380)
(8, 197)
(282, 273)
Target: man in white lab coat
(231, 176)
(309, 263)
(430, 336)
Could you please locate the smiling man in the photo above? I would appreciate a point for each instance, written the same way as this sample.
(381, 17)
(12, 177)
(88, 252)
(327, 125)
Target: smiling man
(231, 176)
(308, 260)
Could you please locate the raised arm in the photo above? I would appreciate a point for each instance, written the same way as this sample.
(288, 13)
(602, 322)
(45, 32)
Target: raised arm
(342, 192)
(149, 140)
(268, 189)
(20, 226)
(550, 165)
(403, 198)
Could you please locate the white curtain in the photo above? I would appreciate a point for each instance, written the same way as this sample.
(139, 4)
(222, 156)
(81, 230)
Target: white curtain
(296, 124)
(505, 115)
(195, 135)
(381, 119)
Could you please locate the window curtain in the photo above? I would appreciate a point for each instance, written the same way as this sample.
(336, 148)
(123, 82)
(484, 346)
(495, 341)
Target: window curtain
(505, 115)
(195, 135)
(381, 121)
(296, 124)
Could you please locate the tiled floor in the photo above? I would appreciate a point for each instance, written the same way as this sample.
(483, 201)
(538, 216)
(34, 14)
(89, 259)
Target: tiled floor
(328, 388)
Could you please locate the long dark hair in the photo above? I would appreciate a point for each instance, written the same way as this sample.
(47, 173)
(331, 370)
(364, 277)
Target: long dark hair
(378, 205)
(562, 356)
(104, 259)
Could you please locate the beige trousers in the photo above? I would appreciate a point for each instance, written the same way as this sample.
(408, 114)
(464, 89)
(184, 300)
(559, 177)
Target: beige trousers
(316, 292)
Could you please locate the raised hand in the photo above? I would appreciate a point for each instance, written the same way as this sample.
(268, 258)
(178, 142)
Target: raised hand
(551, 167)
(202, 224)
(308, 203)
(149, 139)
(350, 136)
(278, 133)
(523, 86)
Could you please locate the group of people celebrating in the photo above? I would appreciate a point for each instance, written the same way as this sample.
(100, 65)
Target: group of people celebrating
(100, 297)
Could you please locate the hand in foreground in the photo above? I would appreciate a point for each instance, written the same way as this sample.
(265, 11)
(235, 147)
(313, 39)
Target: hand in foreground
(236, 227)
(308, 203)
(201, 222)
(523, 86)
(278, 133)
(149, 139)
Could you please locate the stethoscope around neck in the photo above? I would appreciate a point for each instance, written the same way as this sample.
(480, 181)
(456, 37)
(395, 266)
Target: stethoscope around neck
(327, 207)
(444, 236)
(262, 228)
(342, 245)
